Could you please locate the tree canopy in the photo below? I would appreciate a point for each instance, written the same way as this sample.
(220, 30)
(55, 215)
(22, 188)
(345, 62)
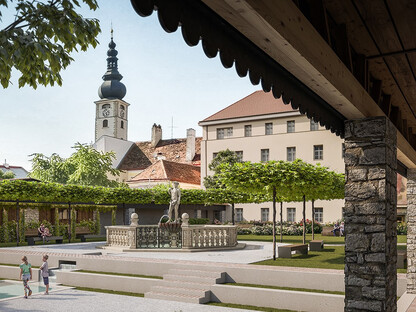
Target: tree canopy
(223, 157)
(6, 175)
(86, 166)
(41, 37)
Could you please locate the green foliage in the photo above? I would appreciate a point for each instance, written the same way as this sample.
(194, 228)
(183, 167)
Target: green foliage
(22, 221)
(5, 226)
(113, 216)
(86, 166)
(198, 221)
(97, 222)
(291, 180)
(223, 157)
(57, 231)
(402, 228)
(39, 41)
(6, 175)
(73, 223)
(288, 229)
(90, 224)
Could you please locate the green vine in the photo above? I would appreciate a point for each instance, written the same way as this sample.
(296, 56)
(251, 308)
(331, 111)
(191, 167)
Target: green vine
(73, 222)
(113, 216)
(97, 222)
(57, 229)
(22, 225)
(6, 237)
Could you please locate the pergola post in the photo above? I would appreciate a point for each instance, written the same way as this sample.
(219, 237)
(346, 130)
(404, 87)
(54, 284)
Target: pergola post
(370, 215)
(411, 231)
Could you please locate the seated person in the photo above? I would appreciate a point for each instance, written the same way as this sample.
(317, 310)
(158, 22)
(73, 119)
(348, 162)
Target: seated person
(336, 228)
(41, 229)
(341, 229)
(44, 232)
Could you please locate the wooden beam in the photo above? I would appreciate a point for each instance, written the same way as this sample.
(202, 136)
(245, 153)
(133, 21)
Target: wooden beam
(405, 129)
(319, 18)
(360, 70)
(375, 90)
(385, 104)
(342, 46)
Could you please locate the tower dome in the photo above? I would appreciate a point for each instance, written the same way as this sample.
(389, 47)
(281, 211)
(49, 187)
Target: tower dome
(112, 88)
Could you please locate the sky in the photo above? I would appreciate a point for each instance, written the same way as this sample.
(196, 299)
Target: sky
(164, 77)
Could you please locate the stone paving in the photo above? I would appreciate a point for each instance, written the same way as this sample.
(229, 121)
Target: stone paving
(76, 300)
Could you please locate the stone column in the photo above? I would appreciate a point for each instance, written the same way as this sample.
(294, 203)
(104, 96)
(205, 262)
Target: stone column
(411, 231)
(370, 215)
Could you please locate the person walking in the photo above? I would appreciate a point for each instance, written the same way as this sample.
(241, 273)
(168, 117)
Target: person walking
(45, 273)
(26, 275)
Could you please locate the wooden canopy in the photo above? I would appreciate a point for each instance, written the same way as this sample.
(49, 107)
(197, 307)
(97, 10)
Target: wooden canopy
(332, 59)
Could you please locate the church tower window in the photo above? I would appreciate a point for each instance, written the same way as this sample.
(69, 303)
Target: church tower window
(122, 124)
(105, 123)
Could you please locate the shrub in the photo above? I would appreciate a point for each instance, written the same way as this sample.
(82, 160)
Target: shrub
(402, 228)
(198, 221)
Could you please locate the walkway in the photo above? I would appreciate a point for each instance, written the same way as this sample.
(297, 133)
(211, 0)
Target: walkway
(76, 300)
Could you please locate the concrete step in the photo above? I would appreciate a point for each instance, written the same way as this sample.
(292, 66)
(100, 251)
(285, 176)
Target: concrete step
(182, 291)
(183, 284)
(215, 274)
(192, 279)
(174, 297)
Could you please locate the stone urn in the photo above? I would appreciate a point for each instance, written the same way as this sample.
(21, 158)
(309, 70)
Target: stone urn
(173, 228)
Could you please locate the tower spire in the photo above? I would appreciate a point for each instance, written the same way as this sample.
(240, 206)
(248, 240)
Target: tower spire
(112, 87)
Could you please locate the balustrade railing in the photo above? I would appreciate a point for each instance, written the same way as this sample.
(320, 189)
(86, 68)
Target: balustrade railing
(209, 236)
(121, 236)
(151, 236)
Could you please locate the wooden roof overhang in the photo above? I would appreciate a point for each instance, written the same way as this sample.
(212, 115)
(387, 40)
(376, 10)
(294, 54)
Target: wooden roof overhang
(332, 59)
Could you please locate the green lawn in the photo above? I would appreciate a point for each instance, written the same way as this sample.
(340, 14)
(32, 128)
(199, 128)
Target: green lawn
(65, 241)
(291, 239)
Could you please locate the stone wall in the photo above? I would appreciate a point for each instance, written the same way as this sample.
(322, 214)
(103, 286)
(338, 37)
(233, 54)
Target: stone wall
(411, 231)
(31, 215)
(370, 215)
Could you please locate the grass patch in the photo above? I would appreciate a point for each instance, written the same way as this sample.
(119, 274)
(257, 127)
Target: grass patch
(293, 239)
(288, 288)
(65, 241)
(247, 307)
(17, 265)
(106, 291)
(120, 274)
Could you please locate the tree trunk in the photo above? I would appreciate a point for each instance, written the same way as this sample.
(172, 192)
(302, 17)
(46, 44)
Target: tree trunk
(274, 223)
(304, 220)
(313, 219)
(281, 222)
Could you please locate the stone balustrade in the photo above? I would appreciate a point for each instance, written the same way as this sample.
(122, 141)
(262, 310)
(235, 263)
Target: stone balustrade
(209, 236)
(121, 236)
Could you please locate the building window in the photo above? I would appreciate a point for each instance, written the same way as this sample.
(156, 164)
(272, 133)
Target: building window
(247, 131)
(319, 215)
(122, 107)
(318, 152)
(264, 214)
(291, 214)
(105, 123)
(291, 153)
(223, 133)
(122, 124)
(214, 155)
(265, 154)
(239, 155)
(106, 106)
(290, 126)
(314, 125)
(343, 150)
(239, 214)
(268, 128)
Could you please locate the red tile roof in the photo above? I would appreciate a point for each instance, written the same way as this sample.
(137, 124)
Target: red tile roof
(255, 104)
(171, 150)
(164, 170)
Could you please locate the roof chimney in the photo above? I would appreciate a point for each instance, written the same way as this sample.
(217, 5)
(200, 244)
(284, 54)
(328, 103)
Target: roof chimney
(156, 134)
(190, 144)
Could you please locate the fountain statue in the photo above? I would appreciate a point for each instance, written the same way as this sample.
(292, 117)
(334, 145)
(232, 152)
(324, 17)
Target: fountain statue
(175, 200)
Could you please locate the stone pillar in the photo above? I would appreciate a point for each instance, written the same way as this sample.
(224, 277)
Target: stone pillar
(411, 231)
(370, 215)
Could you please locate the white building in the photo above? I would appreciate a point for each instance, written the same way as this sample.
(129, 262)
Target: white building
(261, 128)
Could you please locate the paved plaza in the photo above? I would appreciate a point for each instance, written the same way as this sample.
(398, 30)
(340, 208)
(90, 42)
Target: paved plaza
(86, 301)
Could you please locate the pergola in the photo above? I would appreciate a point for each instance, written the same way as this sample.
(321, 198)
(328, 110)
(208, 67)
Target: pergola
(349, 64)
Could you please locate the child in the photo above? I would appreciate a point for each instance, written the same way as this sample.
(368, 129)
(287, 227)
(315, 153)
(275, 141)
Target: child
(45, 273)
(26, 275)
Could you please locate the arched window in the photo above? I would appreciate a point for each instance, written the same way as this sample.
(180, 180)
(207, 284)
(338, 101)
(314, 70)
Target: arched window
(122, 107)
(122, 124)
(106, 106)
(105, 123)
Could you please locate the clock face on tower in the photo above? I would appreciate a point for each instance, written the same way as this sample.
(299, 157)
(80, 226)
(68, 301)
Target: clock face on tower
(106, 112)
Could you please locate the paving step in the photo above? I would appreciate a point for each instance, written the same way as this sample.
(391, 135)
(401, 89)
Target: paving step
(193, 279)
(215, 274)
(179, 291)
(183, 284)
(175, 297)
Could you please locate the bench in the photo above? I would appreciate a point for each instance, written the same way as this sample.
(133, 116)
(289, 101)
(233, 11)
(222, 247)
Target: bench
(83, 232)
(401, 258)
(286, 251)
(31, 240)
(85, 237)
(316, 245)
(329, 231)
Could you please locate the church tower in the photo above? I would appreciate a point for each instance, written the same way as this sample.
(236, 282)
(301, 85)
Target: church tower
(111, 111)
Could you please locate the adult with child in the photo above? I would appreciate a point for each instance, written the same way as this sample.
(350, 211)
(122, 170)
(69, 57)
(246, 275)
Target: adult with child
(45, 273)
(26, 275)
(44, 233)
